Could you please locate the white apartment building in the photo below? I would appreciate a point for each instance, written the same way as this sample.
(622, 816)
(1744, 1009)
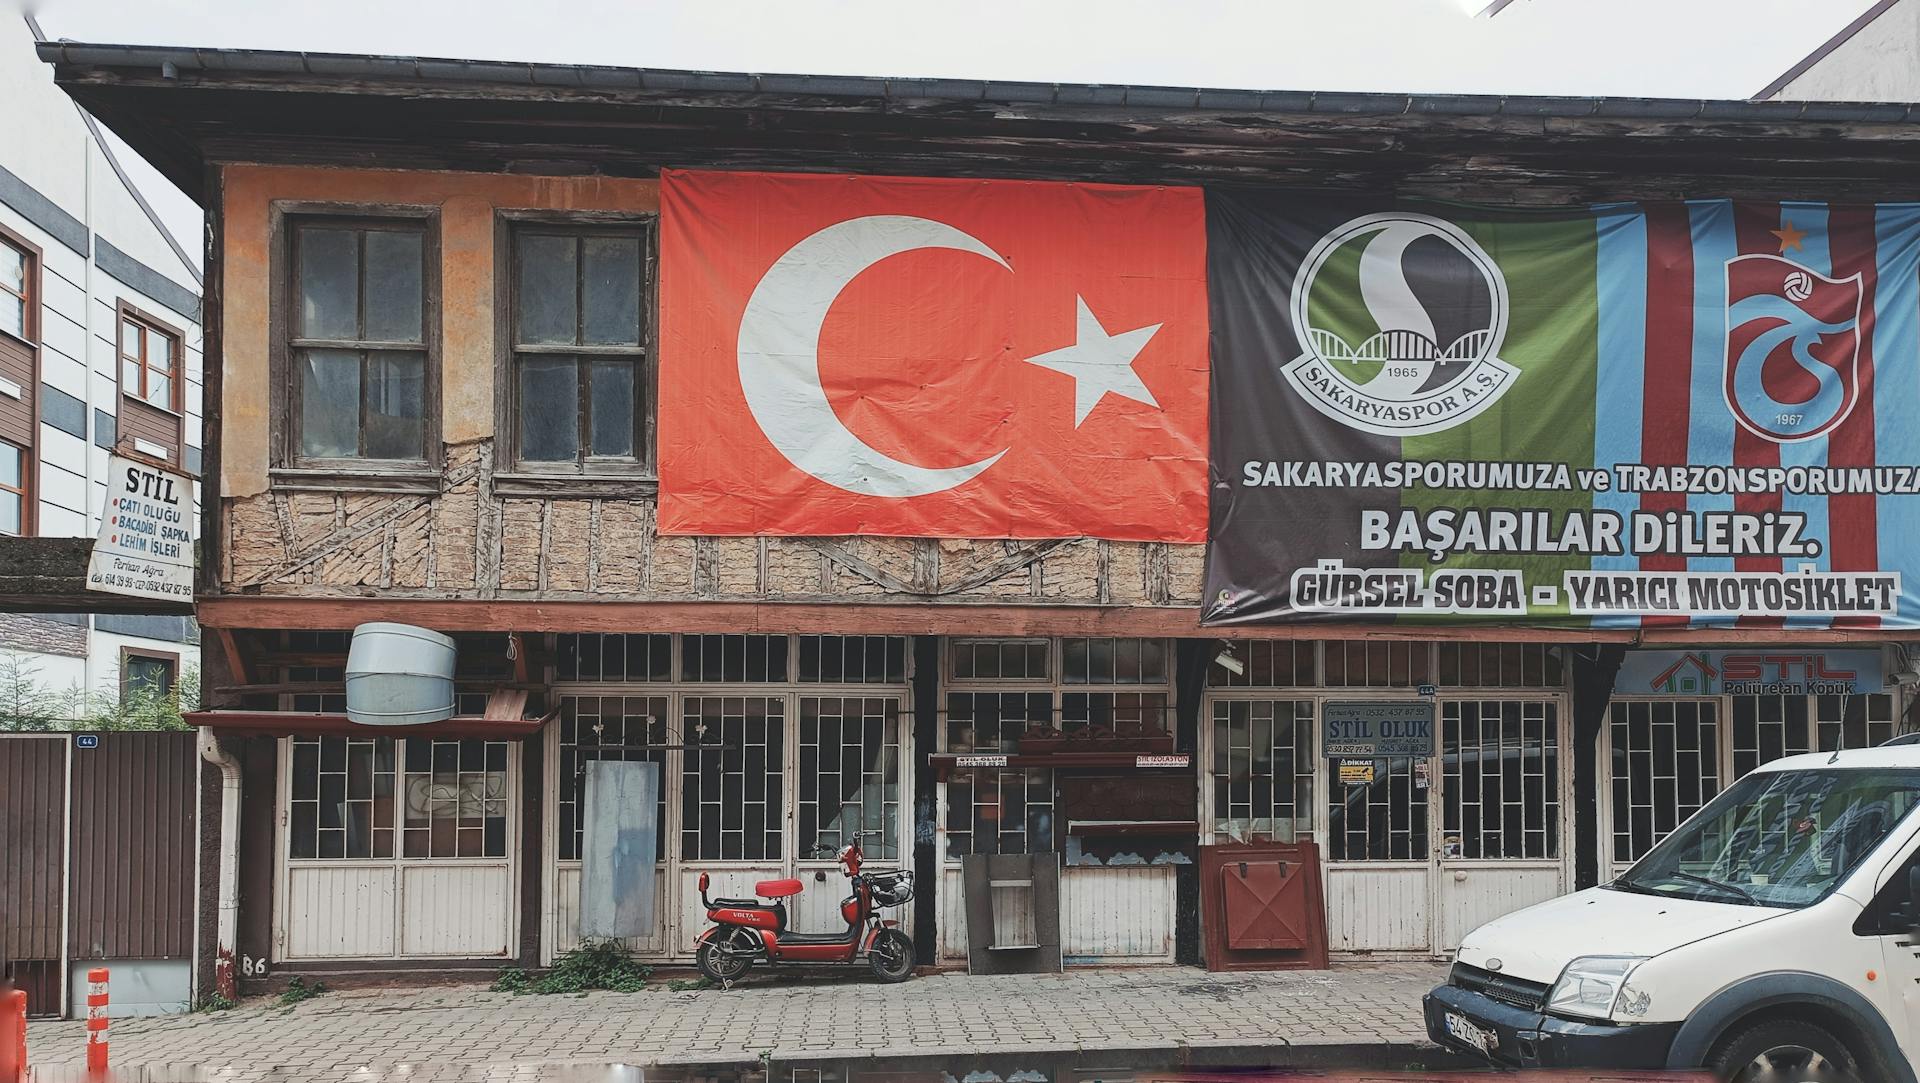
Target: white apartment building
(99, 346)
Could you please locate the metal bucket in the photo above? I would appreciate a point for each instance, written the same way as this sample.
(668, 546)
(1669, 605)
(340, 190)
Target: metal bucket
(399, 675)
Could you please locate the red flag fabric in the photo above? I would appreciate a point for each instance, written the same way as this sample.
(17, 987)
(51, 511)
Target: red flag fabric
(931, 357)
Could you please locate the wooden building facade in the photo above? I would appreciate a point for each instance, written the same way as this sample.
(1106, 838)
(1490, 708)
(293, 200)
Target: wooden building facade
(375, 452)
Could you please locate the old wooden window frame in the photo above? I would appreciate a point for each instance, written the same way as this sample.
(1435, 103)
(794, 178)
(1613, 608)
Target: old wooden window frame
(33, 281)
(30, 295)
(172, 658)
(23, 492)
(600, 477)
(290, 469)
(125, 314)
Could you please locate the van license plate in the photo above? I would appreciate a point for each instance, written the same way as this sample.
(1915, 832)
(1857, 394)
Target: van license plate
(1466, 1030)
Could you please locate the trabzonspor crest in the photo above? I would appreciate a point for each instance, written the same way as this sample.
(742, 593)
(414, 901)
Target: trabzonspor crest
(1400, 317)
(1793, 347)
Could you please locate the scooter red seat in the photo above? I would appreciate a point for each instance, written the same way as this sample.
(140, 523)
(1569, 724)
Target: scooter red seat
(777, 889)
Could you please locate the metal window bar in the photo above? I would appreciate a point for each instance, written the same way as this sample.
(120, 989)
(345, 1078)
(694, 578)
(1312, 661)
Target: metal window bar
(1263, 769)
(1377, 663)
(999, 659)
(1665, 767)
(1268, 663)
(732, 800)
(629, 728)
(1381, 820)
(1000, 812)
(850, 774)
(734, 659)
(454, 799)
(828, 659)
(1765, 728)
(1853, 721)
(1501, 759)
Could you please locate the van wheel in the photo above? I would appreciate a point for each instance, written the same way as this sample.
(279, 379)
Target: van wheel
(1784, 1051)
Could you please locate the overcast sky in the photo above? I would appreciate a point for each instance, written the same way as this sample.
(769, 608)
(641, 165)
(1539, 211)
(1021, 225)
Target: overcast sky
(1650, 48)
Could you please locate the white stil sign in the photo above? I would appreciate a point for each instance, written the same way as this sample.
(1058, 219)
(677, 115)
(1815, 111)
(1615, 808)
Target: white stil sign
(145, 547)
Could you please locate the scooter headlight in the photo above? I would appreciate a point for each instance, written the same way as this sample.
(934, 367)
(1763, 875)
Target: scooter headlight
(1590, 984)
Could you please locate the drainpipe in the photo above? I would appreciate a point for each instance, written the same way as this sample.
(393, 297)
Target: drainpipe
(227, 928)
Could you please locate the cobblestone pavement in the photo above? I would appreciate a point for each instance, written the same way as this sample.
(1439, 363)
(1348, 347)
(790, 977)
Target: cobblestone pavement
(340, 1034)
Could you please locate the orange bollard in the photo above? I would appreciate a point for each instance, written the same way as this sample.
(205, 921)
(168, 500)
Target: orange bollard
(13, 1036)
(97, 1019)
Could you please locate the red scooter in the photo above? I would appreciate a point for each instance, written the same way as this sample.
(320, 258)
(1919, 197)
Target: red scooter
(749, 931)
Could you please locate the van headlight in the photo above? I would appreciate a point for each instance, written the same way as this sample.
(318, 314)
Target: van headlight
(1589, 985)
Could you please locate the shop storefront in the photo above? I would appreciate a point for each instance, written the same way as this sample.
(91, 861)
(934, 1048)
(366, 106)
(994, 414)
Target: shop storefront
(776, 750)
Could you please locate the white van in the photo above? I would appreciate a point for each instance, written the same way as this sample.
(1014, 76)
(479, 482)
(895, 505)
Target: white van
(1770, 938)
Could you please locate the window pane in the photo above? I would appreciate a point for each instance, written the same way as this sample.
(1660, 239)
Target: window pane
(611, 418)
(10, 459)
(161, 350)
(393, 286)
(396, 394)
(159, 388)
(611, 279)
(330, 404)
(329, 283)
(13, 268)
(130, 375)
(10, 508)
(13, 315)
(547, 290)
(549, 410)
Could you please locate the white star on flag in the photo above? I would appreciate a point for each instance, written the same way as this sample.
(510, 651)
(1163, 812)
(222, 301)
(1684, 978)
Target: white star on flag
(1100, 363)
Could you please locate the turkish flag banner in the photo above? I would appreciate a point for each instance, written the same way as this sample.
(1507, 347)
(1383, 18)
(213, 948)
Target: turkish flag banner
(931, 358)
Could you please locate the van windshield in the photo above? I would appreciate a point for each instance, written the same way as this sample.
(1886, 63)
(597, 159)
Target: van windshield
(1778, 838)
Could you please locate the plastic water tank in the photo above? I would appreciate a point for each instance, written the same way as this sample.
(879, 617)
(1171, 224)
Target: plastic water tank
(399, 675)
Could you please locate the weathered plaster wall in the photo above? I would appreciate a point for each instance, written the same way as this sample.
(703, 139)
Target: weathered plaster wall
(467, 203)
(467, 541)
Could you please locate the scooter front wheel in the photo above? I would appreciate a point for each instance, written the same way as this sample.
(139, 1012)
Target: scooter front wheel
(891, 956)
(726, 956)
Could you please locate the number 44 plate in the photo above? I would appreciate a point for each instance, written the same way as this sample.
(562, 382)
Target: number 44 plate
(1486, 1041)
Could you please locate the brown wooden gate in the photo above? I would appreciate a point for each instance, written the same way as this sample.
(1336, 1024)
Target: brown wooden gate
(133, 847)
(97, 835)
(33, 802)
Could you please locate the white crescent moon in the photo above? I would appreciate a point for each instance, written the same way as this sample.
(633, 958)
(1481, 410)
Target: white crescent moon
(780, 359)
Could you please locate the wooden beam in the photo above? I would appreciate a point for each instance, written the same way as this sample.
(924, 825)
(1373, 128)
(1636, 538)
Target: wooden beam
(49, 575)
(236, 661)
(570, 615)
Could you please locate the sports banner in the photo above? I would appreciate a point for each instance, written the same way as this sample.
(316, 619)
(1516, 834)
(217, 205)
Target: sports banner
(1625, 415)
(931, 358)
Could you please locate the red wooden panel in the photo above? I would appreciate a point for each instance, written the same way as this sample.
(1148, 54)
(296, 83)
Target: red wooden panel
(1266, 904)
(1262, 907)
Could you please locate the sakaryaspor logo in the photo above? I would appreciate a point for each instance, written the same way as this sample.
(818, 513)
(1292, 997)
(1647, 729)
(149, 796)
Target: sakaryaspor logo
(1401, 317)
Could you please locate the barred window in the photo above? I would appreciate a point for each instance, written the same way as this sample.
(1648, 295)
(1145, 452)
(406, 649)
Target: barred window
(593, 656)
(631, 728)
(1267, 663)
(853, 659)
(999, 659)
(733, 659)
(850, 775)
